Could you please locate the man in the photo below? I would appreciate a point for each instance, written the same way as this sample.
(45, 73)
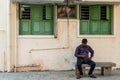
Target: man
(82, 54)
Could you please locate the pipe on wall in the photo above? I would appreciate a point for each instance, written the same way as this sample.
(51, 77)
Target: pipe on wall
(55, 22)
(15, 37)
(8, 36)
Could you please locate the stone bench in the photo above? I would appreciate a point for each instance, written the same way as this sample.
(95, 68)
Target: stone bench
(106, 68)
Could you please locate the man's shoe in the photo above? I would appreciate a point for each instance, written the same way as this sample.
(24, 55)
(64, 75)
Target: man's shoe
(92, 76)
(78, 77)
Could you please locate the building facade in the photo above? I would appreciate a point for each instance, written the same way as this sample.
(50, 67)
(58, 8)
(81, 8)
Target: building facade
(43, 35)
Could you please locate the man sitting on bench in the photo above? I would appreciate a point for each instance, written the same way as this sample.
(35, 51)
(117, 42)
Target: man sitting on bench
(82, 54)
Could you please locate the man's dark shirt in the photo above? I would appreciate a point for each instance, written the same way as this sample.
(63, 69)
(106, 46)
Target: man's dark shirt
(80, 50)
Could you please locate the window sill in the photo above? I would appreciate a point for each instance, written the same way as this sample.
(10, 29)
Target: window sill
(35, 36)
(96, 36)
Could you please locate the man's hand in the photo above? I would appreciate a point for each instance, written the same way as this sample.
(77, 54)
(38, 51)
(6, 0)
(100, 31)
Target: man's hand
(90, 58)
(82, 56)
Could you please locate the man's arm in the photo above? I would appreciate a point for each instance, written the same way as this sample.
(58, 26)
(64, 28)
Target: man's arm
(92, 52)
(77, 51)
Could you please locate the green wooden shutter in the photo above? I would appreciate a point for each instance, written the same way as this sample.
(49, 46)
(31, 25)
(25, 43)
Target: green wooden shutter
(95, 27)
(25, 27)
(84, 12)
(35, 27)
(84, 26)
(94, 12)
(97, 24)
(36, 12)
(25, 22)
(106, 24)
(21, 9)
(42, 29)
(94, 19)
(25, 12)
(48, 27)
(105, 27)
(108, 12)
(36, 24)
(49, 12)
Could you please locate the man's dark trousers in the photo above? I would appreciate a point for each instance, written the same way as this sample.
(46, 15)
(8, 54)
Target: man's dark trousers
(89, 62)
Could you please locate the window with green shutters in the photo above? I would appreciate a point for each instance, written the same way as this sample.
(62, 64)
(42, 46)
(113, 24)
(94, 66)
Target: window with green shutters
(95, 20)
(36, 20)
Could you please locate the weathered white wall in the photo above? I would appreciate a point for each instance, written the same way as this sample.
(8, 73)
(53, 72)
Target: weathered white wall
(106, 48)
(2, 33)
(32, 50)
(2, 14)
(2, 50)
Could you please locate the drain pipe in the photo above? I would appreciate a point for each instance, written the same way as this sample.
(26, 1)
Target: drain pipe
(8, 36)
(15, 36)
(55, 22)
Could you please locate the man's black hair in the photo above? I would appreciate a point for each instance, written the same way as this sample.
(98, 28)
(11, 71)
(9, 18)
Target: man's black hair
(84, 41)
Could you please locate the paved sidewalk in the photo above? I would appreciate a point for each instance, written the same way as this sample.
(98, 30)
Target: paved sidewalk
(55, 75)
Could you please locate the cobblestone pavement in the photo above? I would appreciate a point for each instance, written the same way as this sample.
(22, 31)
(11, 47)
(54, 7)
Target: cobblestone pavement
(54, 75)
